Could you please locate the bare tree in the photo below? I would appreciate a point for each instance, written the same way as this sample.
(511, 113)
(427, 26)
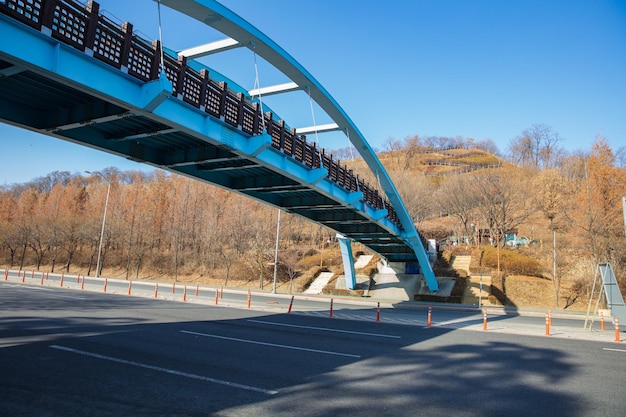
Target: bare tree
(536, 148)
(457, 197)
(393, 147)
(551, 197)
(501, 200)
(488, 145)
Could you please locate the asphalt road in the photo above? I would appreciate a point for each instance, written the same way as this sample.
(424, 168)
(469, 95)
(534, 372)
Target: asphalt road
(531, 322)
(66, 352)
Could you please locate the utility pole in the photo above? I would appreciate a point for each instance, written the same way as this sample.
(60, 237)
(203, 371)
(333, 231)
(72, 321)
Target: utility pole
(276, 252)
(104, 219)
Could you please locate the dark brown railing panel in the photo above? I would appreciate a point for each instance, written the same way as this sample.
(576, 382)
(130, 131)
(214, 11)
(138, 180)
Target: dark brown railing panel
(231, 107)
(193, 86)
(251, 119)
(213, 98)
(28, 12)
(70, 22)
(143, 59)
(109, 41)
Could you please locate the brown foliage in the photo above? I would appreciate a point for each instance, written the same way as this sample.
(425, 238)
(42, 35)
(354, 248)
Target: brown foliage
(162, 225)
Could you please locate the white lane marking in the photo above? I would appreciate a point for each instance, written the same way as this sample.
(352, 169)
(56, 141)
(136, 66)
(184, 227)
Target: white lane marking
(326, 329)
(254, 342)
(165, 370)
(615, 350)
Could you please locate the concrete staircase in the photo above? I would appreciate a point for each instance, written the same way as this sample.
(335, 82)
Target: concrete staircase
(462, 263)
(473, 295)
(319, 283)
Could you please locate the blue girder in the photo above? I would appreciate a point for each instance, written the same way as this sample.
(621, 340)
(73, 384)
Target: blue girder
(58, 88)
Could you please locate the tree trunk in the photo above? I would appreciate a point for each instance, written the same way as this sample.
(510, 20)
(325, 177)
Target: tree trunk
(90, 264)
(22, 257)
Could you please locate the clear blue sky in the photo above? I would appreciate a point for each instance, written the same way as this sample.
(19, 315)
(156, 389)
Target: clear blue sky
(480, 69)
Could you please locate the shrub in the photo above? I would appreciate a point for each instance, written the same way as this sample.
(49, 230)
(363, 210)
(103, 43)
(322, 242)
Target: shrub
(513, 263)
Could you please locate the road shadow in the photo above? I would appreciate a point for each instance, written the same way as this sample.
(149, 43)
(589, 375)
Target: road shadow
(434, 371)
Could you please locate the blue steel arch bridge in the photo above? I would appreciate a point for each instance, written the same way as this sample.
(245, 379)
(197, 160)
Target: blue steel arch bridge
(70, 72)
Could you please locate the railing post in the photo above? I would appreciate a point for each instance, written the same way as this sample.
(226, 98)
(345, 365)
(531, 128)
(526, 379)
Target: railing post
(156, 60)
(127, 28)
(268, 123)
(282, 137)
(256, 119)
(224, 87)
(47, 15)
(204, 74)
(93, 9)
(240, 109)
(180, 79)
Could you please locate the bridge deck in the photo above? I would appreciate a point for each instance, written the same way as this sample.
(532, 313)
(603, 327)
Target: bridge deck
(76, 76)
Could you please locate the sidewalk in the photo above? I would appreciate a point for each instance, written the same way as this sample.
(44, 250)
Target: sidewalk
(567, 325)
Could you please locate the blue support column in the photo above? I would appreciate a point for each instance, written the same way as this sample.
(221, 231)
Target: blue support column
(348, 261)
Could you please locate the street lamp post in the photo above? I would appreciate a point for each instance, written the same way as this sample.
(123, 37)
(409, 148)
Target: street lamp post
(104, 219)
(276, 252)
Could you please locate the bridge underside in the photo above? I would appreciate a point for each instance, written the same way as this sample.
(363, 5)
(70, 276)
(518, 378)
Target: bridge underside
(39, 103)
(69, 72)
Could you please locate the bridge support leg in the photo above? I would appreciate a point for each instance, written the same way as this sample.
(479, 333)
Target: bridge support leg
(424, 262)
(348, 261)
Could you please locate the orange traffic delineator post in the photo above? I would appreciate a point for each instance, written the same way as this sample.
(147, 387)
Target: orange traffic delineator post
(173, 287)
(156, 290)
(105, 286)
(24, 277)
(185, 294)
(290, 305)
(42, 275)
(547, 324)
(601, 322)
(550, 317)
(430, 316)
(249, 297)
(32, 274)
(82, 284)
(77, 278)
(217, 295)
(378, 312)
(331, 308)
(617, 338)
(130, 285)
(6, 274)
(484, 320)
(221, 293)
(197, 287)
(61, 280)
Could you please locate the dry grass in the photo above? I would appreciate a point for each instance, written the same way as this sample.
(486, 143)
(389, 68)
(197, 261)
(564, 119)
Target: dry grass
(533, 292)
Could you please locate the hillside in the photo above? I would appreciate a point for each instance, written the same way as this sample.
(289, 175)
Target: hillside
(170, 228)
